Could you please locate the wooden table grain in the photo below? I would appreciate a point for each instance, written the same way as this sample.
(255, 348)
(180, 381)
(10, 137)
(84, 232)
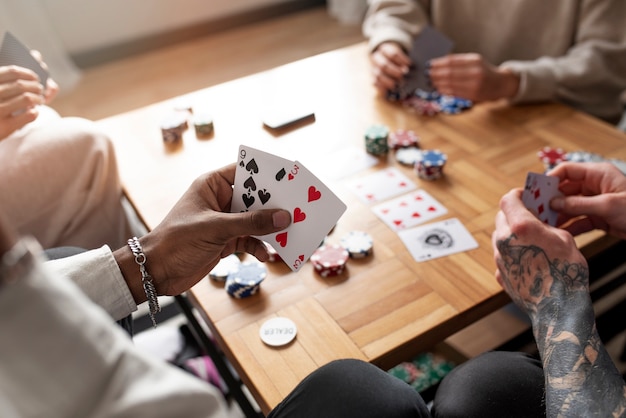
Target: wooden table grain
(385, 308)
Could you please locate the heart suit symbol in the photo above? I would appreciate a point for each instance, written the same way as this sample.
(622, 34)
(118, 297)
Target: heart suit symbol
(282, 239)
(314, 194)
(298, 215)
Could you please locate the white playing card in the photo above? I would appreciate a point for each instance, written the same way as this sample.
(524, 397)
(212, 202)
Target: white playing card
(409, 210)
(315, 209)
(13, 52)
(538, 191)
(437, 239)
(381, 185)
(260, 179)
(266, 181)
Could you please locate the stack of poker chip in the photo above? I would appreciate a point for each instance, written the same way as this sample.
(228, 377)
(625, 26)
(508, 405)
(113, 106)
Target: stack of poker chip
(359, 244)
(583, 157)
(430, 165)
(376, 137)
(245, 280)
(329, 260)
(402, 138)
(422, 106)
(453, 105)
(203, 124)
(408, 156)
(224, 267)
(423, 372)
(551, 157)
(172, 128)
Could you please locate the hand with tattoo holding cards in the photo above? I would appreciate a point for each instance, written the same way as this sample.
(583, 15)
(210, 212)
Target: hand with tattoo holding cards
(545, 274)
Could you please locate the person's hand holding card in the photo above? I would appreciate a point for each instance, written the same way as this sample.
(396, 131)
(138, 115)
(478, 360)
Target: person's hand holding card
(539, 190)
(265, 181)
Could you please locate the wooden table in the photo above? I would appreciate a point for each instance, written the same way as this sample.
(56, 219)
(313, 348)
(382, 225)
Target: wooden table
(385, 308)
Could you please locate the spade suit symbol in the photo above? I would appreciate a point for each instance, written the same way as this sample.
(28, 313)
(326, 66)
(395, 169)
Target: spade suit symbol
(252, 167)
(264, 196)
(250, 184)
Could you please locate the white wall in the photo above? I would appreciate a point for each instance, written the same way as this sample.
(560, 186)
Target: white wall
(84, 25)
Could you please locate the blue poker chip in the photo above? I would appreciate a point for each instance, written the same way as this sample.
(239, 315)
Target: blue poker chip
(433, 158)
(427, 95)
(359, 244)
(246, 280)
(583, 157)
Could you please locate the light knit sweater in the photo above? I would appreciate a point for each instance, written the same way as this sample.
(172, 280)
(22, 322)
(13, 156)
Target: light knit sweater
(571, 51)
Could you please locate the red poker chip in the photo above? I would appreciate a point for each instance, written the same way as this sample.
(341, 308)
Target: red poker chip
(551, 155)
(329, 260)
(402, 138)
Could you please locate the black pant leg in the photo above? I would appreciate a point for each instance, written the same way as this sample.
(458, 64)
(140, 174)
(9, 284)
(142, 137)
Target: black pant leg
(351, 388)
(494, 384)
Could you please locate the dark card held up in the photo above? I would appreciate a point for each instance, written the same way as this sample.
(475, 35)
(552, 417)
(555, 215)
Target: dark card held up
(13, 52)
(429, 44)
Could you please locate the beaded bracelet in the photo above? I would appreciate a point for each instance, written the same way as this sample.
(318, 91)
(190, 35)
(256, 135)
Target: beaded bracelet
(146, 279)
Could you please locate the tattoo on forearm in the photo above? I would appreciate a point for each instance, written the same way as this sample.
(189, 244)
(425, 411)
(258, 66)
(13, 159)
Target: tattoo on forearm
(581, 379)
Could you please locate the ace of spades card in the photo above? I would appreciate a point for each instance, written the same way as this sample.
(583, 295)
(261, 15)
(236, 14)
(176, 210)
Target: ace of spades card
(538, 191)
(265, 181)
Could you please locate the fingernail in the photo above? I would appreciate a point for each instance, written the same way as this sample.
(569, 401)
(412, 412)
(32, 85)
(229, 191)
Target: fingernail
(281, 219)
(557, 203)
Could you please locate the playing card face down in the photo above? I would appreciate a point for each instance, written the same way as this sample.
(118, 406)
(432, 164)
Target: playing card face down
(265, 181)
(539, 189)
(13, 52)
(437, 239)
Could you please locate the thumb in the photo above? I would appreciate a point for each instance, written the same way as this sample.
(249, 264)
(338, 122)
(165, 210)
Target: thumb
(257, 222)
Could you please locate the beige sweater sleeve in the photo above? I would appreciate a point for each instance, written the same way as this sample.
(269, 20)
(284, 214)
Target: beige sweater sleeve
(394, 20)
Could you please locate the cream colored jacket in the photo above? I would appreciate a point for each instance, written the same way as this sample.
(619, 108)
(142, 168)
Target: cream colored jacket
(572, 51)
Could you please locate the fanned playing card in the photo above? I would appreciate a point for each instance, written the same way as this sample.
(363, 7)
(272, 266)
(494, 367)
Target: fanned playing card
(437, 239)
(265, 181)
(13, 52)
(381, 185)
(538, 191)
(409, 210)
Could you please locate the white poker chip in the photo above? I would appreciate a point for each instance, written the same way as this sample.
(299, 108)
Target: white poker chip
(278, 331)
(408, 156)
(224, 267)
(358, 243)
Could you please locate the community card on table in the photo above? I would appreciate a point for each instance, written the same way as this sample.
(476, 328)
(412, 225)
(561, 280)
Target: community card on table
(381, 185)
(437, 239)
(409, 210)
(538, 191)
(265, 181)
(13, 52)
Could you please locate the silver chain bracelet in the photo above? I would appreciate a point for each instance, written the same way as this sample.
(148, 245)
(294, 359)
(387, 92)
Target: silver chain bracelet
(146, 279)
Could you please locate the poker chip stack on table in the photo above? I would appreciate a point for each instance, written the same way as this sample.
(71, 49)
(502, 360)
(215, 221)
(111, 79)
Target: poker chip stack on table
(431, 103)
(245, 280)
(551, 157)
(376, 139)
(430, 165)
(359, 244)
(330, 260)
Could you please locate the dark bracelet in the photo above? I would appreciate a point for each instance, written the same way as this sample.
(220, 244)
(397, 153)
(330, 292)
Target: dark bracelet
(146, 279)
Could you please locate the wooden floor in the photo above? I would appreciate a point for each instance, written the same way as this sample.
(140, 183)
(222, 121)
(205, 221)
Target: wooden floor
(135, 82)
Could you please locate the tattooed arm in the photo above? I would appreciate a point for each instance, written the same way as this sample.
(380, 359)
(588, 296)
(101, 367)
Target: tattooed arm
(547, 277)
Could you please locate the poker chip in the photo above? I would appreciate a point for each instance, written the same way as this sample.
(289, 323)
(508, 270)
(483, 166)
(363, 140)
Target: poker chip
(551, 156)
(402, 138)
(422, 106)
(453, 105)
(172, 128)
(427, 95)
(583, 157)
(430, 165)
(224, 267)
(359, 244)
(278, 331)
(329, 260)
(273, 254)
(376, 137)
(246, 280)
(203, 124)
(408, 156)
